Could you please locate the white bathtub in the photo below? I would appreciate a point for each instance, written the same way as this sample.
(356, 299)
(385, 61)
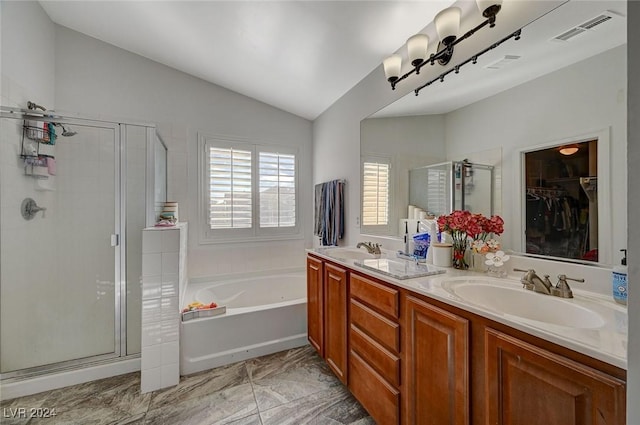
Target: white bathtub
(265, 314)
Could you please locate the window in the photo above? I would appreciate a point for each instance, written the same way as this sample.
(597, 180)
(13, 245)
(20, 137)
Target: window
(277, 190)
(375, 194)
(230, 205)
(249, 190)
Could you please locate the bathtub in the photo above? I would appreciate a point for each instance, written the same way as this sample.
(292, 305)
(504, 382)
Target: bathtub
(265, 314)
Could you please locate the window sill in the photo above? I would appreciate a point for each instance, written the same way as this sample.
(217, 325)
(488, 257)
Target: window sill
(207, 240)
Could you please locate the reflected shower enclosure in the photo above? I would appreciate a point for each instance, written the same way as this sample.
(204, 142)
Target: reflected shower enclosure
(70, 283)
(454, 185)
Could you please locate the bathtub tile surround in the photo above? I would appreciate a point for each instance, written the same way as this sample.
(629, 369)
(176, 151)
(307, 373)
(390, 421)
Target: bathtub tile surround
(226, 395)
(163, 277)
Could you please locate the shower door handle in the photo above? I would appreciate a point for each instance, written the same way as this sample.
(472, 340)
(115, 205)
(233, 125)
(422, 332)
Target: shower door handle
(115, 240)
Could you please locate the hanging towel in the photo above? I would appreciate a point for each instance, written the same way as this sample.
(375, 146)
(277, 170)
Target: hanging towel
(329, 212)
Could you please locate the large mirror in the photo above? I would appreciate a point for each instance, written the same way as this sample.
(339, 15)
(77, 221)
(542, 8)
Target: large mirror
(563, 83)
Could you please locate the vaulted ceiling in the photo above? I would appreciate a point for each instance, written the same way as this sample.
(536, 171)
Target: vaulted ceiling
(301, 56)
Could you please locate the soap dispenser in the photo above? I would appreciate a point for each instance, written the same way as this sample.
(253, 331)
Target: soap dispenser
(619, 280)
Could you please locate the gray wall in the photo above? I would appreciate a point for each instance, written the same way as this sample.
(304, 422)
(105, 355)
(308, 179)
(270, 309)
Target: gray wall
(96, 78)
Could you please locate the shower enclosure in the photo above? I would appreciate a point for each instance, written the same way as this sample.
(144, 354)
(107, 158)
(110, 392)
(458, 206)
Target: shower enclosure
(70, 261)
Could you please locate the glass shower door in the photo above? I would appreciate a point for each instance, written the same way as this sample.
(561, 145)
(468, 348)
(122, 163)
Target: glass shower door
(60, 282)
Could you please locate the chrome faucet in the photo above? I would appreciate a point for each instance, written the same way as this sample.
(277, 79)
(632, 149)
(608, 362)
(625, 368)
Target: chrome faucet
(372, 248)
(533, 282)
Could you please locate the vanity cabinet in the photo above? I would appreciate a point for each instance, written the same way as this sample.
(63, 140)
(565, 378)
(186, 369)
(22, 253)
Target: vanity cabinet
(335, 319)
(410, 359)
(436, 347)
(524, 381)
(315, 304)
(374, 348)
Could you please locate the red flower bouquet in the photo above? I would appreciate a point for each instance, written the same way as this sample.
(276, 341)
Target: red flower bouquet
(464, 226)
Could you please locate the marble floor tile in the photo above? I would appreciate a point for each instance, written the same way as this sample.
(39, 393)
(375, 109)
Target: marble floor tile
(335, 406)
(275, 364)
(131, 420)
(221, 407)
(201, 384)
(292, 384)
(11, 411)
(291, 387)
(99, 402)
(249, 420)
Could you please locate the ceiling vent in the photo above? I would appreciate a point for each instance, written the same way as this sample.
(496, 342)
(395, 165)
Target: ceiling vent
(503, 61)
(589, 25)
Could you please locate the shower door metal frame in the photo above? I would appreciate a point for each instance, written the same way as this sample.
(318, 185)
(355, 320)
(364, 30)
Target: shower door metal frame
(119, 233)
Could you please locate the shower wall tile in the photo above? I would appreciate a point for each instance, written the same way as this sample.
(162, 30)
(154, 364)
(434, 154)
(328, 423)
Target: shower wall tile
(170, 240)
(151, 335)
(152, 358)
(170, 375)
(163, 269)
(170, 263)
(152, 242)
(170, 330)
(169, 308)
(151, 264)
(152, 311)
(151, 380)
(170, 352)
(152, 287)
(169, 286)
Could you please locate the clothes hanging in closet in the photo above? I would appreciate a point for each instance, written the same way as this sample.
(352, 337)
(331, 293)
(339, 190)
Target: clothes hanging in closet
(556, 224)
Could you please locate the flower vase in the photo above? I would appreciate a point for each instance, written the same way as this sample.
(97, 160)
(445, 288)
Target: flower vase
(479, 261)
(460, 260)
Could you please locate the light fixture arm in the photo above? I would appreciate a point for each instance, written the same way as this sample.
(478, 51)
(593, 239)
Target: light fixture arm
(444, 55)
(515, 35)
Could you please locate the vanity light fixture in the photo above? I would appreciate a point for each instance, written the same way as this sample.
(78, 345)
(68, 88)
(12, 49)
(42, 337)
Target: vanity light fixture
(447, 24)
(569, 150)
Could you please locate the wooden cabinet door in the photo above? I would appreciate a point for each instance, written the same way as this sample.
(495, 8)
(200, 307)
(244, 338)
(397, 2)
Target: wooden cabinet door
(436, 375)
(315, 304)
(527, 384)
(335, 320)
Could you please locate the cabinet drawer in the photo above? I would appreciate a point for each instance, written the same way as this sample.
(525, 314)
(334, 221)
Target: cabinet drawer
(384, 362)
(384, 299)
(380, 399)
(379, 327)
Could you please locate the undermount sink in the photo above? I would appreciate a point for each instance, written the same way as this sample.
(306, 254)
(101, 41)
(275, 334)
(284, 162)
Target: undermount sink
(350, 253)
(511, 299)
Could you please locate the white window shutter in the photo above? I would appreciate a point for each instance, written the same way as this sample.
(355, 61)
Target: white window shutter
(277, 178)
(375, 194)
(230, 196)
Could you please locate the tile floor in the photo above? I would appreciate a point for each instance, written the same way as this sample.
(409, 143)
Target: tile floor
(291, 387)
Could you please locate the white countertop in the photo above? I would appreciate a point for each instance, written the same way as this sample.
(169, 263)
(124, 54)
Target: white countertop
(607, 343)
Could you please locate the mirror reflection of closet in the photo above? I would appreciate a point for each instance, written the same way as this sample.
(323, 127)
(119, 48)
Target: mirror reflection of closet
(561, 201)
